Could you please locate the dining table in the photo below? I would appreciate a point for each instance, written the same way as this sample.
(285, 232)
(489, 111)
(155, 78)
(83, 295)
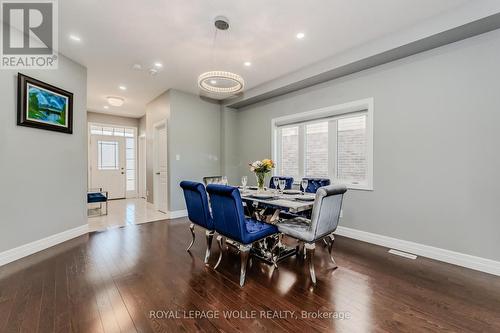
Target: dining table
(274, 206)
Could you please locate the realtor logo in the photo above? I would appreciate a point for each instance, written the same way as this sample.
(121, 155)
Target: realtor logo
(29, 34)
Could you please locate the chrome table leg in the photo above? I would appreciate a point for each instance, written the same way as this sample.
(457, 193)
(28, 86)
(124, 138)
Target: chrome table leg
(191, 227)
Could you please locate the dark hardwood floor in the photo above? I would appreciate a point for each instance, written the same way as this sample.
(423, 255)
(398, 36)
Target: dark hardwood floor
(111, 281)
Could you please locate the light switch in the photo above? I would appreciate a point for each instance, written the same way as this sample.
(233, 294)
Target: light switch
(177, 157)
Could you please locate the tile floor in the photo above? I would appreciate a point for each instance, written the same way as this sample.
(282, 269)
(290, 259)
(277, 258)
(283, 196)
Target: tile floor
(125, 212)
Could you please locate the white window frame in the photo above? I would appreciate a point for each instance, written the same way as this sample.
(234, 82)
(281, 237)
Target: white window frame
(345, 110)
(128, 194)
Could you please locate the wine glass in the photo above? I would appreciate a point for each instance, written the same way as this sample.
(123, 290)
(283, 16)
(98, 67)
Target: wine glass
(224, 180)
(276, 181)
(304, 184)
(282, 184)
(244, 181)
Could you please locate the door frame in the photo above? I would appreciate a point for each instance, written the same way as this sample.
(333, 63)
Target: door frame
(128, 194)
(156, 127)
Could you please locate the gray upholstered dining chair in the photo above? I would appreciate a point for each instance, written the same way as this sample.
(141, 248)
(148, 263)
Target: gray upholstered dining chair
(324, 221)
(212, 179)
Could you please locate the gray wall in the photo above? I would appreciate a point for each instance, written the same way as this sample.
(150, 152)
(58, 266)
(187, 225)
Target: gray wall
(101, 118)
(193, 133)
(43, 175)
(436, 145)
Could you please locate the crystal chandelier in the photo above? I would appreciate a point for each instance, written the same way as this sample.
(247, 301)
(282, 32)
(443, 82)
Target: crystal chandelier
(221, 83)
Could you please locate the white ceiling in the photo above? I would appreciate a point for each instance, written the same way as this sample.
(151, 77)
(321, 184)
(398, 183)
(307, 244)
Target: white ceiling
(180, 33)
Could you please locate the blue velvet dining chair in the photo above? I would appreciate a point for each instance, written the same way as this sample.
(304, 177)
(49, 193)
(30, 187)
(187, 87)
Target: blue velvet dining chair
(313, 184)
(230, 222)
(288, 180)
(198, 212)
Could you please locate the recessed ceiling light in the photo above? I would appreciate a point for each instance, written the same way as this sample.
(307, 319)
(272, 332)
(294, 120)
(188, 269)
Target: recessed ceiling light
(301, 35)
(158, 64)
(115, 101)
(106, 107)
(247, 63)
(213, 81)
(122, 88)
(153, 71)
(75, 38)
(137, 67)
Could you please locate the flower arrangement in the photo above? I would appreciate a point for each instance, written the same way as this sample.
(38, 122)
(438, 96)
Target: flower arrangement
(265, 166)
(261, 169)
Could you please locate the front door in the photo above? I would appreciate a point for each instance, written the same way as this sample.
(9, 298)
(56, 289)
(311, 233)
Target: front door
(108, 165)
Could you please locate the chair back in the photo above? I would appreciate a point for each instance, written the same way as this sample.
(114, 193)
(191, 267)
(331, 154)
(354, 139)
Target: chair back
(288, 180)
(212, 179)
(313, 184)
(326, 211)
(227, 210)
(197, 204)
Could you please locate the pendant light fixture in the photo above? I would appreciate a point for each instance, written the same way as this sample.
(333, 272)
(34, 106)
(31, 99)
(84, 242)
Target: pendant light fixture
(219, 82)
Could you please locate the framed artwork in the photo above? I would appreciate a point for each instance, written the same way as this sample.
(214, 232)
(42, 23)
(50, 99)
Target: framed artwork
(41, 105)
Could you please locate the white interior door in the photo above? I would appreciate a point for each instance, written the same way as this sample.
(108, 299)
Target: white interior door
(108, 165)
(161, 178)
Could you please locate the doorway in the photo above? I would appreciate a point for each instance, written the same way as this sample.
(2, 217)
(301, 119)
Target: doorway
(113, 160)
(160, 183)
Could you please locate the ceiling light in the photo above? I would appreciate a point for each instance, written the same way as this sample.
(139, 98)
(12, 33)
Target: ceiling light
(106, 107)
(228, 83)
(153, 71)
(115, 101)
(301, 35)
(122, 88)
(220, 82)
(75, 38)
(137, 67)
(247, 63)
(158, 64)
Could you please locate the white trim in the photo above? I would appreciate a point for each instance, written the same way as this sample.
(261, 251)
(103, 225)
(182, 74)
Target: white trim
(177, 214)
(41, 244)
(451, 257)
(335, 112)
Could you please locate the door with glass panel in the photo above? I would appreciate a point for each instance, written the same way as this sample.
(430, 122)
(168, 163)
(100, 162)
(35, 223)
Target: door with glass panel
(108, 168)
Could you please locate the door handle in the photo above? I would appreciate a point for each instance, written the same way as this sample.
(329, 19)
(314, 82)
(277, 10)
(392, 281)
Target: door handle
(158, 173)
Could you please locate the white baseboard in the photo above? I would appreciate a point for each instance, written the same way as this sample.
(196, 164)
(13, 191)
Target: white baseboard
(451, 257)
(177, 214)
(39, 245)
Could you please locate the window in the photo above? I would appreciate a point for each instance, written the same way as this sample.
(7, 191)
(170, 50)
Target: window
(290, 151)
(333, 143)
(316, 150)
(107, 155)
(352, 150)
(130, 156)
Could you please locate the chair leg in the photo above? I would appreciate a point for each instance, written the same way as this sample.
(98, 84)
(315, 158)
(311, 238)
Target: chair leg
(191, 227)
(219, 242)
(210, 236)
(244, 254)
(310, 255)
(332, 239)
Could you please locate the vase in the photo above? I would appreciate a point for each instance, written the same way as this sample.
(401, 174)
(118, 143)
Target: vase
(261, 177)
